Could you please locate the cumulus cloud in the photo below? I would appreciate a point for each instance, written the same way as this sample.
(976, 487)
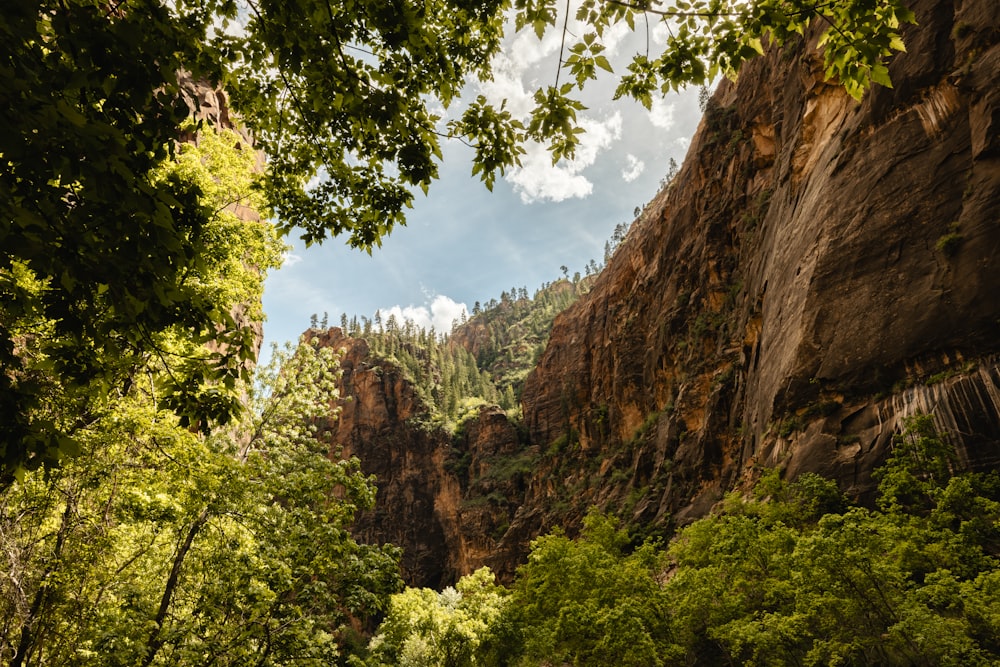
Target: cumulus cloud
(507, 85)
(539, 180)
(526, 64)
(290, 259)
(634, 168)
(662, 114)
(440, 314)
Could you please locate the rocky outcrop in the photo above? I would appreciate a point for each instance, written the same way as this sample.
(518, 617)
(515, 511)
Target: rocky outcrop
(815, 264)
(818, 270)
(446, 499)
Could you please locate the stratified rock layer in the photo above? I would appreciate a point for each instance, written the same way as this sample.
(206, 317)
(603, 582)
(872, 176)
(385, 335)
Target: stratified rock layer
(818, 270)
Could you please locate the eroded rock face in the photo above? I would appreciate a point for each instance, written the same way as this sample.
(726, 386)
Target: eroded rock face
(818, 270)
(436, 497)
(815, 262)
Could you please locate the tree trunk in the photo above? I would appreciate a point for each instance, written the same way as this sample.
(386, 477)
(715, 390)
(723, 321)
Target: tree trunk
(155, 642)
(29, 629)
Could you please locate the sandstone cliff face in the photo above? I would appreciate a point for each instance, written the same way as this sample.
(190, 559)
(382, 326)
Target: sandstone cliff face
(812, 272)
(818, 270)
(436, 495)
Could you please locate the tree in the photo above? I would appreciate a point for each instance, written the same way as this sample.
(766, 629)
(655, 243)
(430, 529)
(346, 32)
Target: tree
(590, 602)
(167, 544)
(76, 331)
(168, 548)
(452, 628)
(794, 577)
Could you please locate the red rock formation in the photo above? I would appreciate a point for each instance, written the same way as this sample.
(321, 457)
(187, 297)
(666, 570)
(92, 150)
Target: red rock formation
(436, 497)
(813, 258)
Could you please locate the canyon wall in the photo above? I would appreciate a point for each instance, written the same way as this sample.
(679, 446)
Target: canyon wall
(447, 499)
(816, 264)
(818, 270)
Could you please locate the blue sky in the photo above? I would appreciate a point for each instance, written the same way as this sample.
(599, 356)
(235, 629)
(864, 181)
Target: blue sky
(463, 243)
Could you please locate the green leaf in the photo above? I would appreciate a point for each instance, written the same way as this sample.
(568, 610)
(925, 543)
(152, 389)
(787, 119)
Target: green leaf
(880, 75)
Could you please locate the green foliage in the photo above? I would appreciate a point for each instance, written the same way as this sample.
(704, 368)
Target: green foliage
(798, 579)
(789, 425)
(590, 601)
(949, 243)
(450, 628)
(507, 334)
(75, 343)
(920, 466)
(167, 548)
(517, 328)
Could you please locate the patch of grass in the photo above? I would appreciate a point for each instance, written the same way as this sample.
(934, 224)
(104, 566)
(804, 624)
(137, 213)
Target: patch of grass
(822, 409)
(503, 469)
(458, 464)
(500, 531)
(789, 425)
(619, 476)
(494, 498)
(648, 423)
(949, 243)
(561, 443)
(961, 30)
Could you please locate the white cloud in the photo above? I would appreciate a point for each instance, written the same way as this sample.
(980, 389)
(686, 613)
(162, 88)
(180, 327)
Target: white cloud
(634, 169)
(538, 179)
(663, 30)
(508, 84)
(440, 314)
(290, 259)
(616, 36)
(527, 63)
(527, 50)
(662, 114)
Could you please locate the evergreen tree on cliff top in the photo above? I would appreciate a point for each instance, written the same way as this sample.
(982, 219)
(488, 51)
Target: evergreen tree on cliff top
(102, 256)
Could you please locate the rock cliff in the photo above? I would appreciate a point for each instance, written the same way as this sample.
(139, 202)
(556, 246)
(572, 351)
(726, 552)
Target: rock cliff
(818, 270)
(446, 499)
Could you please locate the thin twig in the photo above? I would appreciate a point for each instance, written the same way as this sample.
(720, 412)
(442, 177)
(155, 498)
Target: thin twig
(562, 43)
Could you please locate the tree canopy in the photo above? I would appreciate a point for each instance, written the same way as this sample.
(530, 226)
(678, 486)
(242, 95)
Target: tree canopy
(103, 248)
(164, 545)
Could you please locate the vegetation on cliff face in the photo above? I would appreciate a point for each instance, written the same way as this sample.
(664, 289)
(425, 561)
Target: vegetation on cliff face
(793, 575)
(485, 358)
